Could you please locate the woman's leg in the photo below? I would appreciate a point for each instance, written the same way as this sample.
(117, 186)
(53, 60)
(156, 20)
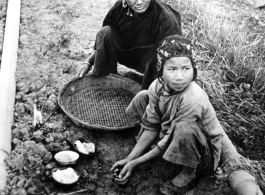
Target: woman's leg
(143, 60)
(150, 69)
(106, 51)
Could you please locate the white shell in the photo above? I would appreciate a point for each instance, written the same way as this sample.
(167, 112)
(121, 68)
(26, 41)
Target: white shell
(65, 176)
(66, 156)
(90, 147)
(85, 147)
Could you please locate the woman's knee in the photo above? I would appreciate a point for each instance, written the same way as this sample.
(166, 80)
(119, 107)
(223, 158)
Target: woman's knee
(104, 32)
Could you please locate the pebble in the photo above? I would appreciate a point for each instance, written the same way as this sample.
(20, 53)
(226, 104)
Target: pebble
(72, 55)
(53, 98)
(25, 133)
(29, 183)
(38, 135)
(20, 95)
(66, 69)
(22, 87)
(49, 139)
(33, 95)
(32, 190)
(20, 108)
(50, 166)
(47, 173)
(21, 182)
(23, 39)
(43, 90)
(39, 84)
(65, 143)
(16, 141)
(25, 98)
(242, 129)
(11, 175)
(91, 187)
(18, 191)
(30, 101)
(64, 52)
(16, 133)
(49, 105)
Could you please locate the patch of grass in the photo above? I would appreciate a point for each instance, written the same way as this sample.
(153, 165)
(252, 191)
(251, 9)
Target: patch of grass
(228, 41)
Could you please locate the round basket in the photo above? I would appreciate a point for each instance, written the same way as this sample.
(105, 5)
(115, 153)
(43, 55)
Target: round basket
(99, 102)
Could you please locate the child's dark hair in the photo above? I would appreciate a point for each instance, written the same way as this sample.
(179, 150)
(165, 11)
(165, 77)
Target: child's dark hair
(174, 46)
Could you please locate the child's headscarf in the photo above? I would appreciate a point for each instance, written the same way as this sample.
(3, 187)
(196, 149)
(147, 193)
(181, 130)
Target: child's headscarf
(174, 46)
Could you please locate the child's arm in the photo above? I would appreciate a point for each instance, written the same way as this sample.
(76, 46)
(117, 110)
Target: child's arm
(145, 141)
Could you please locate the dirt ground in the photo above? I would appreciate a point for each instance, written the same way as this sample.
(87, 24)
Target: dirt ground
(55, 38)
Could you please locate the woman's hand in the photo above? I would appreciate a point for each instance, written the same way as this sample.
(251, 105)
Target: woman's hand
(83, 69)
(126, 172)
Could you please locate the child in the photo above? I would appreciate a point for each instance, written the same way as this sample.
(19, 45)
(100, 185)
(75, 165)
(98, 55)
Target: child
(177, 111)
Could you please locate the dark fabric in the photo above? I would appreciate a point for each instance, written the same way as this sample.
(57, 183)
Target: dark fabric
(146, 29)
(108, 52)
(190, 147)
(132, 40)
(106, 55)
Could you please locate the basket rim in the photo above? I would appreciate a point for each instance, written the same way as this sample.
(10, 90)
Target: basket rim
(81, 123)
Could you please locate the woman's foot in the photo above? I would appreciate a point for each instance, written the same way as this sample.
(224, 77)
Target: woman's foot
(181, 183)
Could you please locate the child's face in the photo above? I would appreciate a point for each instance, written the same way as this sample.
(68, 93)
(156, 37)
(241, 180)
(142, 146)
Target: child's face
(178, 73)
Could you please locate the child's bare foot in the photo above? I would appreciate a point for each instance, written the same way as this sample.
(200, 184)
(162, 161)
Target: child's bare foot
(181, 183)
(186, 176)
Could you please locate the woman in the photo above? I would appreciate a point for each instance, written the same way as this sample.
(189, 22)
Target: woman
(130, 33)
(177, 112)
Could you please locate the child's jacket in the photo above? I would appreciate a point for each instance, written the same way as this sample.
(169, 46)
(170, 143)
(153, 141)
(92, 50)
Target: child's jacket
(190, 105)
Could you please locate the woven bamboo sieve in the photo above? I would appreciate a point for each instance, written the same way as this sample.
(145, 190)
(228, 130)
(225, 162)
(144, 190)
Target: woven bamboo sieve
(99, 102)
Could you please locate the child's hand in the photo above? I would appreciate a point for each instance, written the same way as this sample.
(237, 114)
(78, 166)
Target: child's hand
(125, 173)
(116, 178)
(117, 165)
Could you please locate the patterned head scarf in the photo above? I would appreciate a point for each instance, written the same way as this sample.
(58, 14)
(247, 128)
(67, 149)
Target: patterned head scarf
(174, 46)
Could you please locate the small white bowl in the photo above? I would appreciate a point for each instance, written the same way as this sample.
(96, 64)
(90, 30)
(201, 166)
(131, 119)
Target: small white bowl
(66, 157)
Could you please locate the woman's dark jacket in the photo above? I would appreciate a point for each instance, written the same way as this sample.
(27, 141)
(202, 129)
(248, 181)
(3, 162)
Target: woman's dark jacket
(146, 29)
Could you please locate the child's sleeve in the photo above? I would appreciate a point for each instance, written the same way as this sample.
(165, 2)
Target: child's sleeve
(152, 117)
